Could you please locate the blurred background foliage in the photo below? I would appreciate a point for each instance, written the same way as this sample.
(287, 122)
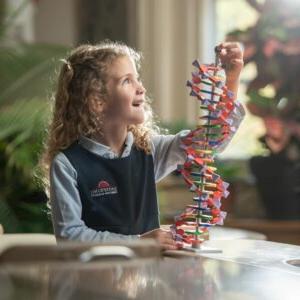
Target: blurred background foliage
(272, 46)
(26, 83)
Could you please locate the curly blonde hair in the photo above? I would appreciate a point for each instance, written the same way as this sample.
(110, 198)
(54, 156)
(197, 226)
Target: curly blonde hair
(84, 76)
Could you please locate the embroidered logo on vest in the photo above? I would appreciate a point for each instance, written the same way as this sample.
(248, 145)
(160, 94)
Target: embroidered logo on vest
(104, 188)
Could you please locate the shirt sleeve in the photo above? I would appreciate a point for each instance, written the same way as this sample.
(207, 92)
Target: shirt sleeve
(167, 153)
(237, 115)
(66, 206)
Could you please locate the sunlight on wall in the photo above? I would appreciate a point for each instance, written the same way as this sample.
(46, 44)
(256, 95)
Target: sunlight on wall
(231, 15)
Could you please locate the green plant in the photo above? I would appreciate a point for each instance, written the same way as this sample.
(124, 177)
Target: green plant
(25, 85)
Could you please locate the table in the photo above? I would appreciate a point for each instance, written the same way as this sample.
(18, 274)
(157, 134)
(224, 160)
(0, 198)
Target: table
(246, 269)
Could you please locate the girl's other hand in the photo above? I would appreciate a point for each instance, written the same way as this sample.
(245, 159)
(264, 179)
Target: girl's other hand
(163, 237)
(231, 56)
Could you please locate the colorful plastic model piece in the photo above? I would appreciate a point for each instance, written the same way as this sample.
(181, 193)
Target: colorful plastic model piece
(216, 102)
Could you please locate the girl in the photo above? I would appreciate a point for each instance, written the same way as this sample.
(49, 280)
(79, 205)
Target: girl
(103, 154)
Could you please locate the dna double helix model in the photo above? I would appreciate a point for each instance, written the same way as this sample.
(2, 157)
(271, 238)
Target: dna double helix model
(207, 85)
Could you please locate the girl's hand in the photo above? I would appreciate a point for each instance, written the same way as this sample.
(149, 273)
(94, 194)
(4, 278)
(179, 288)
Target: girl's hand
(163, 237)
(231, 56)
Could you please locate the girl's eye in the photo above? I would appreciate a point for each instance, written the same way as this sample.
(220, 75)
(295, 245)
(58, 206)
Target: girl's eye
(126, 81)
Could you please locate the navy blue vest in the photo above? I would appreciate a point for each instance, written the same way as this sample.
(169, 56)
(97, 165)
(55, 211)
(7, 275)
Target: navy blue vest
(117, 195)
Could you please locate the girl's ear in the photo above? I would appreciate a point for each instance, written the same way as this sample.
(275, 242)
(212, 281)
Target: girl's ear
(97, 104)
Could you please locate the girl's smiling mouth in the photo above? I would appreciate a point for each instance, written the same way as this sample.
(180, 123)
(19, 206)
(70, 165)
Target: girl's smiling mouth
(138, 103)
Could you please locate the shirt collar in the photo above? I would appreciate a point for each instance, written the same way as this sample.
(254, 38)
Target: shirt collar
(105, 151)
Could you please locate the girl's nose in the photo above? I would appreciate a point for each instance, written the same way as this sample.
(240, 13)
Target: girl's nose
(141, 89)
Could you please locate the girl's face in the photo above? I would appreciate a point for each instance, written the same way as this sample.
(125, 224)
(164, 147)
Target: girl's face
(125, 94)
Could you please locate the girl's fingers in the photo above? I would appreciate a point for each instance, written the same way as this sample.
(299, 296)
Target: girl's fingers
(229, 53)
(234, 62)
(167, 238)
(229, 56)
(169, 246)
(230, 45)
(238, 62)
(167, 242)
(166, 233)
